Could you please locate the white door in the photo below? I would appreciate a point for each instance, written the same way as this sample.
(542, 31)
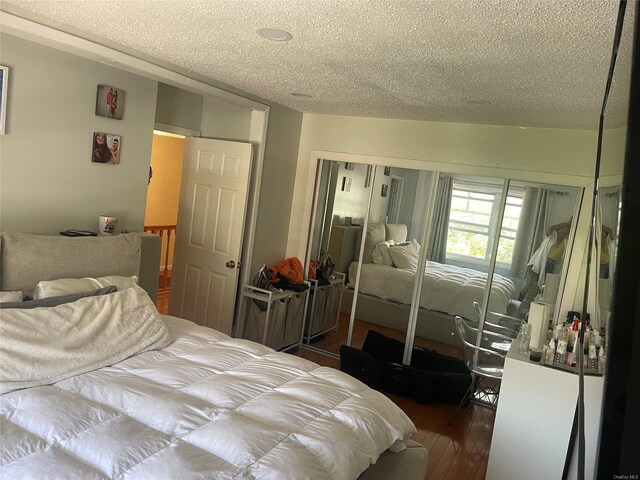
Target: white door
(213, 199)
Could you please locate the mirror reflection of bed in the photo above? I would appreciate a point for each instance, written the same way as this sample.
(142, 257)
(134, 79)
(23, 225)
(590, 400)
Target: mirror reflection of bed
(529, 241)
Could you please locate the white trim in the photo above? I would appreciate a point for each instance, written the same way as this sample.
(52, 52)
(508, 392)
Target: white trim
(165, 127)
(440, 167)
(3, 106)
(422, 263)
(460, 168)
(35, 32)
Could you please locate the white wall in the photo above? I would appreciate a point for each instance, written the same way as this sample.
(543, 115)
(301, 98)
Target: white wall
(48, 182)
(536, 154)
(354, 202)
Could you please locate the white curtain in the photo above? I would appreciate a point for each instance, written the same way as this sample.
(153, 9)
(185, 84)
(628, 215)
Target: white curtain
(531, 228)
(438, 240)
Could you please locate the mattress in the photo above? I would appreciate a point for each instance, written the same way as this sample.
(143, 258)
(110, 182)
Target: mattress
(206, 406)
(445, 288)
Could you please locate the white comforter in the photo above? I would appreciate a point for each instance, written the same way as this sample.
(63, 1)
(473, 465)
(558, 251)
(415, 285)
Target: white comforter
(206, 406)
(445, 288)
(43, 345)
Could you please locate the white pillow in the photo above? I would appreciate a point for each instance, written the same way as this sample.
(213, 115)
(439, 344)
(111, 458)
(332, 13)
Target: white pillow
(396, 232)
(381, 253)
(6, 297)
(375, 235)
(405, 256)
(67, 286)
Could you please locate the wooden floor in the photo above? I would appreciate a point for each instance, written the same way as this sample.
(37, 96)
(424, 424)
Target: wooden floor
(456, 452)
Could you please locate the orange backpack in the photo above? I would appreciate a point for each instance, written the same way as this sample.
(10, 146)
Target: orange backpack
(291, 269)
(313, 266)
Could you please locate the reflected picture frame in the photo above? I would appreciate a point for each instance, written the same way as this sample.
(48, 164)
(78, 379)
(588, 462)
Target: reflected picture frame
(4, 87)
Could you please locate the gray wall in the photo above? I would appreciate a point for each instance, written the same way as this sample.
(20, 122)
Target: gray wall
(47, 180)
(224, 120)
(274, 211)
(178, 107)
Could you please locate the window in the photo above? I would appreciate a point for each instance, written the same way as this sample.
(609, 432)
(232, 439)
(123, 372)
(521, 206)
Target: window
(472, 219)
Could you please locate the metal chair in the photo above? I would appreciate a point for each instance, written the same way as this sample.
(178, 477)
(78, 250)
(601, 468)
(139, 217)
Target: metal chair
(485, 363)
(491, 339)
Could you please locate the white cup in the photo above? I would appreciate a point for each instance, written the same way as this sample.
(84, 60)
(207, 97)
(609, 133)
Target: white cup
(107, 225)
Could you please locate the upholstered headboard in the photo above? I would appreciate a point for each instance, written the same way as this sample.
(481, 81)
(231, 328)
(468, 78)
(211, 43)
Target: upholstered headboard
(376, 233)
(25, 259)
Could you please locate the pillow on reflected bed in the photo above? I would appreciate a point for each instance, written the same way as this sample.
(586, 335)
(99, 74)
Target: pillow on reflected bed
(55, 301)
(405, 256)
(11, 297)
(68, 286)
(381, 253)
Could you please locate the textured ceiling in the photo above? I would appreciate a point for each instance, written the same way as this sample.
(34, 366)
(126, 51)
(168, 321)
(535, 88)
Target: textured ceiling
(525, 63)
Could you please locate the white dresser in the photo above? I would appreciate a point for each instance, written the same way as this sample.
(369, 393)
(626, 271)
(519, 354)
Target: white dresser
(534, 418)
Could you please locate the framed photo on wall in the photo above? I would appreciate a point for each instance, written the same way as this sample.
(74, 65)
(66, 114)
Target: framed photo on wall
(387, 171)
(4, 86)
(106, 148)
(110, 102)
(385, 190)
(346, 184)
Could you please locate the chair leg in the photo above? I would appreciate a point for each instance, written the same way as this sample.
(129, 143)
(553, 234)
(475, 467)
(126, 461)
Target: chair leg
(466, 400)
(487, 392)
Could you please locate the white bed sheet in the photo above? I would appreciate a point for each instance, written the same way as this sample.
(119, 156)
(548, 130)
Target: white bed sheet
(445, 288)
(206, 406)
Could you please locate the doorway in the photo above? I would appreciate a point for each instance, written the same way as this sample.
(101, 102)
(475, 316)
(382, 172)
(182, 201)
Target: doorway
(163, 198)
(395, 197)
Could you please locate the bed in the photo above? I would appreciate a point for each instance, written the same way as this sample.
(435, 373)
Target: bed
(446, 288)
(190, 403)
(386, 286)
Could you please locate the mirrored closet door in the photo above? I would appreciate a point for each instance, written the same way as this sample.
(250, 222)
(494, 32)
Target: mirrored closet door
(385, 277)
(535, 239)
(492, 247)
(342, 204)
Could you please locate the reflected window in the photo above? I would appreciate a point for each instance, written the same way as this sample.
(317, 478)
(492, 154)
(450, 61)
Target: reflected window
(472, 218)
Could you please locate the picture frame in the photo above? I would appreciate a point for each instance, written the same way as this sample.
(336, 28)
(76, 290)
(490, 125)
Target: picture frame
(346, 184)
(349, 166)
(110, 102)
(385, 190)
(4, 87)
(387, 171)
(106, 148)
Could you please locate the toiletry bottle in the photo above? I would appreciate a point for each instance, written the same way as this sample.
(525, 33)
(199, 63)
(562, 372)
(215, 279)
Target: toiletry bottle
(561, 350)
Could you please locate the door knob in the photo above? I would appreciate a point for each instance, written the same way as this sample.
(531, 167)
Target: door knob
(231, 264)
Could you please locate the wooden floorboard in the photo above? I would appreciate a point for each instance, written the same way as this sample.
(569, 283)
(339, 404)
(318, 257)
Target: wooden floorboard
(456, 452)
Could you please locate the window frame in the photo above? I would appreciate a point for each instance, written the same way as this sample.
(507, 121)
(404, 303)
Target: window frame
(485, 189)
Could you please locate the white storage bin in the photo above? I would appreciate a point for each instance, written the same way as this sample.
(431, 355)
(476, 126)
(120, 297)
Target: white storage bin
(256, 322)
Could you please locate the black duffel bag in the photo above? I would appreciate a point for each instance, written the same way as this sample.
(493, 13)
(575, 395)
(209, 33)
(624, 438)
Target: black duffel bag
(431, 377)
